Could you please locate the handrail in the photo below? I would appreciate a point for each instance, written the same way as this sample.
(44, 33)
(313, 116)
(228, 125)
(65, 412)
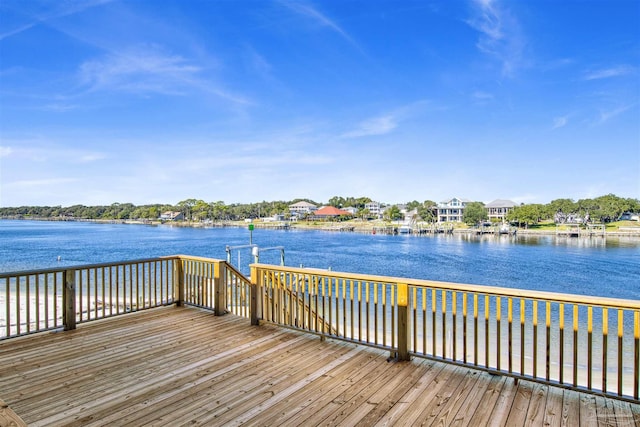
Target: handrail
(490, 290)
(38, 300)
(10, 274)
(238, 291)
(43, 299)
(579, 342)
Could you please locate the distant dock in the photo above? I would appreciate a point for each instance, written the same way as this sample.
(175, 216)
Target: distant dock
(577, 230)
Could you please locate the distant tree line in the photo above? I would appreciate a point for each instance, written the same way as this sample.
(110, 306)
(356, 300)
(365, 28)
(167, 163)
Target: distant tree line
(601, 209)
(192, 209)
(605, 208)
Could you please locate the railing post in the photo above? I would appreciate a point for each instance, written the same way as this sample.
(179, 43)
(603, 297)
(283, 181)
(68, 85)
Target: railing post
(403, 322)
(178, 282)
(220, 288)
(255, 311)
(69, 298)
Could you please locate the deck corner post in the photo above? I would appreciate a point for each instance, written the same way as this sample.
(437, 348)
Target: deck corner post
(178, 282)
(220, 288)
(403, 322)
(254, 308)
(69, 300)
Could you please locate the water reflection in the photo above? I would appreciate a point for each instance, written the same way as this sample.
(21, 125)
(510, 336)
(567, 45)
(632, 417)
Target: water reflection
(583, 265)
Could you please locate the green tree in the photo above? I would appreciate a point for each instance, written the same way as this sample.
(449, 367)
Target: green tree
(200, 210)
(186, 206)
(525, 214)
(474, 213)
(392, 213)
(567, 206)
(427, 211)
(336, 201)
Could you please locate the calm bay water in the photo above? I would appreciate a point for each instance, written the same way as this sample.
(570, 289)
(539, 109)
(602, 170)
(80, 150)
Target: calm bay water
(592, 266)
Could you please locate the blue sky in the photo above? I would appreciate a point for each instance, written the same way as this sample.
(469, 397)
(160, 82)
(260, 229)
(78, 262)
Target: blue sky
(242, 101)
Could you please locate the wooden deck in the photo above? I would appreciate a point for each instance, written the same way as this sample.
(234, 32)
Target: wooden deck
(184, 366)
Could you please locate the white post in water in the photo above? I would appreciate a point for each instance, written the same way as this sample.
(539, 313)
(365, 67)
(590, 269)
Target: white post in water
(255, 251)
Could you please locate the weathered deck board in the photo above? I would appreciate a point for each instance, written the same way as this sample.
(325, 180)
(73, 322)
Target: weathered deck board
(184, 366)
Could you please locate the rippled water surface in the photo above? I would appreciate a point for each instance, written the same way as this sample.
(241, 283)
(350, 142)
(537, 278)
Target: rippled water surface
(590, 266)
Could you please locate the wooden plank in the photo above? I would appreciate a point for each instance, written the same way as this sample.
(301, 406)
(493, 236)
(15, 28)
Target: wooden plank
(234, 401)
(147, 364)
(588, 414)
(386, 397)
(323, 391)
(494, 395)
(216, 367)
(92, 352)
(570, 408)
(605, 414)
(484, 394)
(465, 393)
(326, 403)
(242, 415)
(355, 396)
(123, 392)
(635, 410)
(177, 366)
(8, 418)
(623, 414)
(554, 407)
(537, 405)
(404, 405)
(518, 410)
(430, 402)
(498, 413)
(161, 398)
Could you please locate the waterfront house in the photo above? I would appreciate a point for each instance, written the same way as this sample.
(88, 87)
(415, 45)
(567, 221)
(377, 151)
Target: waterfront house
(353, 211)
(302, 207)
(172, 216)
(327, 212)
(499, 208)
(452, 210)
(274, 218)
(410, 217)
(375, 209)
(628, 216)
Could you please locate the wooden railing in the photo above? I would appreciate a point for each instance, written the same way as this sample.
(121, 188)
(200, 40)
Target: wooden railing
(578, 342)
(40, 300)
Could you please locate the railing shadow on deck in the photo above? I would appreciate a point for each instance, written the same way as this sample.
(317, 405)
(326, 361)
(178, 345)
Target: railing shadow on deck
(578, 342)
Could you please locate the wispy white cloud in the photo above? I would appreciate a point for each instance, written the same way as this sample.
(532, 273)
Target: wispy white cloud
(41, 150)
(59, 107)
(305, 9)
(5, 151)
(58, 10)
(374, 126)
(609, 114)
(138, 69)
(500, 34)
(148, 69)
(91, 157)
(387, 122)
(482, 95)
(38, 183)
(257, 62)
(559, 122)
(606, 73)
(556, 64)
